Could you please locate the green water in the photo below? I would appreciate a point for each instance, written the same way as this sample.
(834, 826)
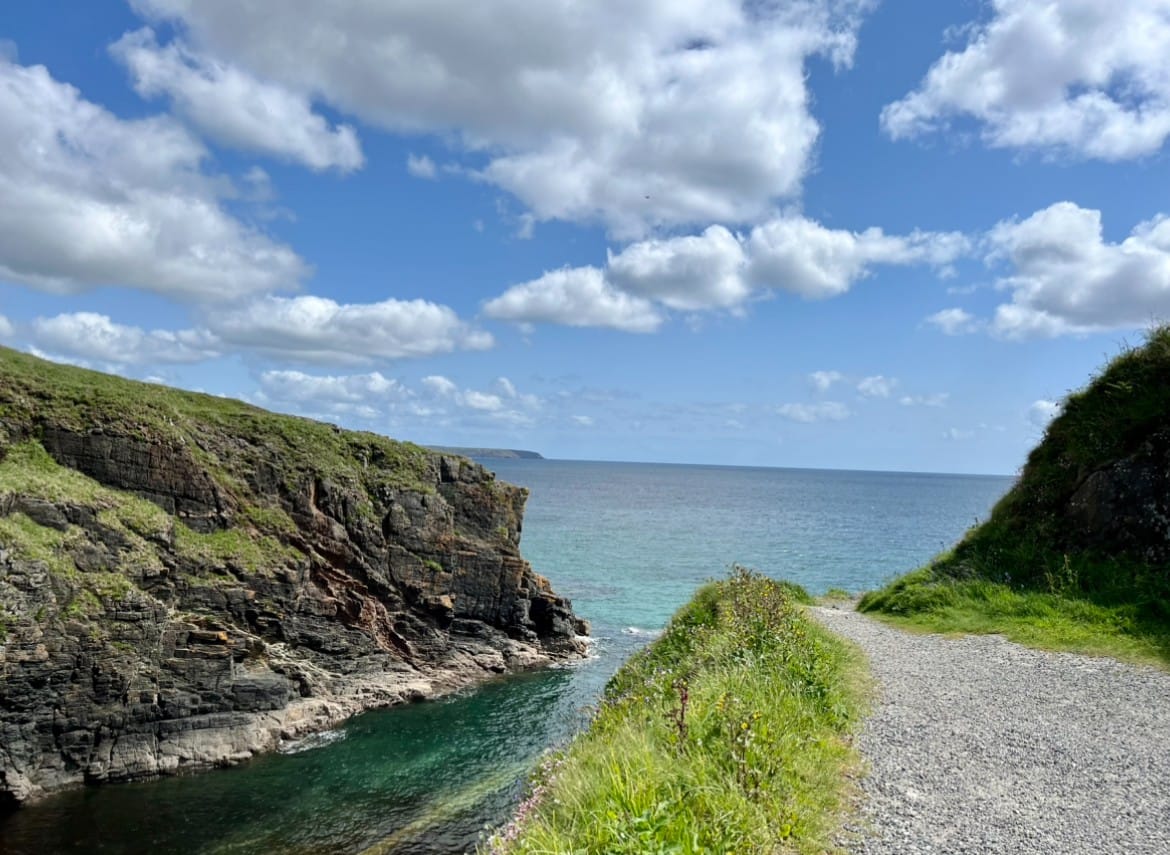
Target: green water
(628, 543)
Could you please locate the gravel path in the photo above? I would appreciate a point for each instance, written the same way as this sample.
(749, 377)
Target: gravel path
(978, 745)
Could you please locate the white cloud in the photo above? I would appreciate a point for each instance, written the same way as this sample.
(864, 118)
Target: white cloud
(316, 329)
(234, 107)
(1065, 278)
(482, 401)
(584, 421)
(822, 380)
(91, 200)
(91, 337)
(421, 166)
(1042, 412)
(7, 330)
(440, 386)
(825, 411)
(954, 321)
(576, 297)
(678, 113)
(876, 386)
(506, 387)
(802, 256)
(717, 269)
(362, 395)
(694, 272)
(958, 434)
(939, 399)
(1080, 76)
(510, 406)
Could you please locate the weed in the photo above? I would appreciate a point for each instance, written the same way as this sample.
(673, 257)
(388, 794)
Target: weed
(727, 734)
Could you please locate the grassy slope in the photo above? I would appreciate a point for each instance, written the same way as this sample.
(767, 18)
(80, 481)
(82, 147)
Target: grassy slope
(1027, 571)
(728, 734)
(220, 431)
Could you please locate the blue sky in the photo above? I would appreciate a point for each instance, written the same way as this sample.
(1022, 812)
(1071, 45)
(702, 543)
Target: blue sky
(823, 233)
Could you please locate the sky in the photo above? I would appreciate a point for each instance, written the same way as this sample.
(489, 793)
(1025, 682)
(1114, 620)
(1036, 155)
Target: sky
(819, 233)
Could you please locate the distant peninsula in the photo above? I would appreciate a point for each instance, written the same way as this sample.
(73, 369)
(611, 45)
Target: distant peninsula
(488, 453)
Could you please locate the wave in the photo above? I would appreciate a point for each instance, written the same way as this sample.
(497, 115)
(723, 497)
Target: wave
(308, 743)
(645, 633)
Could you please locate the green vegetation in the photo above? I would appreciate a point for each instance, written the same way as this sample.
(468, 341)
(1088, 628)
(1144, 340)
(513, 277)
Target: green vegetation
(233, 547)
(1043, 569)
(926, 602)
(229, 438)
(728, 734)
(26, 468)
(30, 541)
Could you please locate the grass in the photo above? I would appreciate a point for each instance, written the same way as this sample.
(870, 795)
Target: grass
(1063, 562)
(923, 602)
(730, 733)
(229, 438)
(233, 547)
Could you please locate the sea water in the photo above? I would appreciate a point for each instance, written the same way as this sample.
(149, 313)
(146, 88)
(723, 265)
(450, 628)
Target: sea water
(628, 543)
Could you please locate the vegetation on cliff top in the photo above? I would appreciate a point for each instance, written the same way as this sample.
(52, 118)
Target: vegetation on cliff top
(224, 433)
(1077, 555)
(728, 734)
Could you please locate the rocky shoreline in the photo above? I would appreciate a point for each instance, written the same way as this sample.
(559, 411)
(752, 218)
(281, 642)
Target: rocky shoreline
(187, 581)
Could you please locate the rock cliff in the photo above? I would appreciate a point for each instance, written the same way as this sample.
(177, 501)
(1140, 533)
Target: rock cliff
(186, 580)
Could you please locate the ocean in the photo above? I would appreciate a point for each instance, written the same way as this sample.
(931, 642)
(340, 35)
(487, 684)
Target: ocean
(628, 543)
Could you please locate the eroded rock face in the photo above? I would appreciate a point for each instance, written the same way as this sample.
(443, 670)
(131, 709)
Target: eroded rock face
(1125, 505)
(265, 603)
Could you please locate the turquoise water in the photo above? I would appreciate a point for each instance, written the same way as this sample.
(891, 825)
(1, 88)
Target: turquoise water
(628, 543)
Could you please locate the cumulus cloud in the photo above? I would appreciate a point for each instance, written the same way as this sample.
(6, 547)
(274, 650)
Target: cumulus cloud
(92, 200)
(717, 269)
(954, 321)
(693, 272)
(1065, 277)
(685, 113)
(824, 411)
(823, 380)
(317, 329)
(800, 255)
(505, 405)
(232, 106)
(1080, 76)
(421, 166)
(362, 395)
(876, 386)
(92, 337)
(576, 297)
(1042, 412)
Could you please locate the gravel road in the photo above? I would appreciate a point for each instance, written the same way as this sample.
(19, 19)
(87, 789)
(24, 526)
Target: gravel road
(978, 745)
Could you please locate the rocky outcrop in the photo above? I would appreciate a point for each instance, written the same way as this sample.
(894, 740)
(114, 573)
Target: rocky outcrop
(187, 581)
(1125, 505)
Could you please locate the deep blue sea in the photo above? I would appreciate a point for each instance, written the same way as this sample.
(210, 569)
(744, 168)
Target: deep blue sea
(628, 542)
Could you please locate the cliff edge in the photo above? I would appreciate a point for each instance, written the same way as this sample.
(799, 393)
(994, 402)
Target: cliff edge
(187, 580)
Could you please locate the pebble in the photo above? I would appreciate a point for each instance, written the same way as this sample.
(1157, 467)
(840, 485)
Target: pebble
(979, 745)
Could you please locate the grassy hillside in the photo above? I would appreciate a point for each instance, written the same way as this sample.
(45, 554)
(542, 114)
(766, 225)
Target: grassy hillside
(1077, 554)
(728, 734)
(35, 393)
